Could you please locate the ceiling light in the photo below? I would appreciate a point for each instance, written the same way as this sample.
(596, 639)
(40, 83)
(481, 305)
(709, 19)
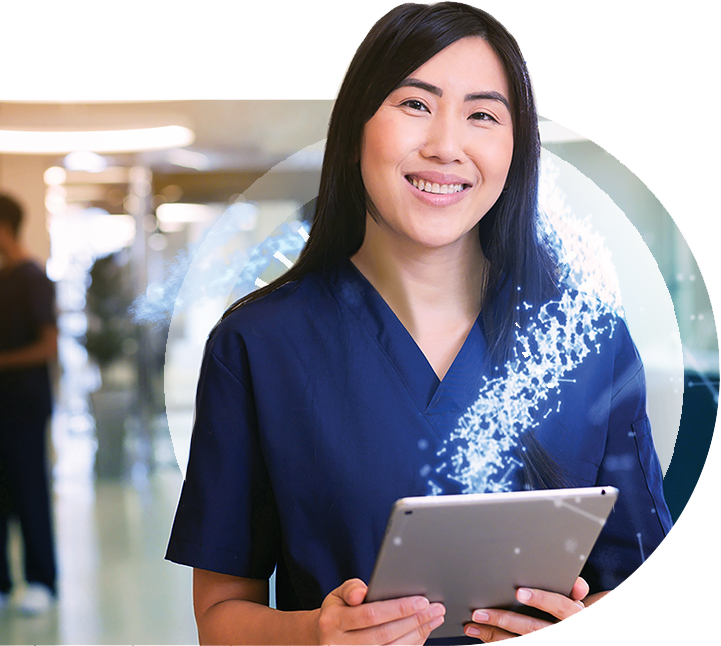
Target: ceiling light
(39, 142)
(85, 160)
(180, 212)
(188, 159)
(55, 176)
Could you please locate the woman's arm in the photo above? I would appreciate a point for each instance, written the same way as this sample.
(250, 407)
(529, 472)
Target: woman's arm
(234, 610)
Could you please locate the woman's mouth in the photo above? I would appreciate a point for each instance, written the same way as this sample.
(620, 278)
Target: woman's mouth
(436, 188)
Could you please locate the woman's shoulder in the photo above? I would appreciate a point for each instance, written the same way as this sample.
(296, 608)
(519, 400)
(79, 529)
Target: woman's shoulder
(292, 305)
(607, 333)
(581, 325)
(579, 311)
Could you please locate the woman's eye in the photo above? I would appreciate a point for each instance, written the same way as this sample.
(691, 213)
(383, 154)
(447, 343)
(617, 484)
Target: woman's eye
(481, 116)
(414, 104)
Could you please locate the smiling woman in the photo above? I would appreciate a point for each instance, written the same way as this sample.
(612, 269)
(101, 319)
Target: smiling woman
(424, 342)
(437, 142)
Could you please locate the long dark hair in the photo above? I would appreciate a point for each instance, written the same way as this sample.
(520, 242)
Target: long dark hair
(521, 266)
(397, 45)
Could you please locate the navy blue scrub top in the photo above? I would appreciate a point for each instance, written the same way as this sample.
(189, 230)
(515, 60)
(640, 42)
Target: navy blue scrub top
(316, 410)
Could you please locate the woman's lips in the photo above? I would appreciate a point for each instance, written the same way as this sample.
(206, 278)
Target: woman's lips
(438, 189)
(436, 177)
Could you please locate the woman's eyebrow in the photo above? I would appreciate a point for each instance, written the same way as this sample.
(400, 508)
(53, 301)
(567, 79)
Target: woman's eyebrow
(411, 82)
(493, 96)
(475, 96)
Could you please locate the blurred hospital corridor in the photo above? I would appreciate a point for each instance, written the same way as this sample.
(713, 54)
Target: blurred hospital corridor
(114, 586)
(118, 222)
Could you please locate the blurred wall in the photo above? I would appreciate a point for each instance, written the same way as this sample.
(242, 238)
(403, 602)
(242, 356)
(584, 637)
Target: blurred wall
(22, 177)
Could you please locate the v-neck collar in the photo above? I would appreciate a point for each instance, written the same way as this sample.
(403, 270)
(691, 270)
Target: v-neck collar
(432, 395)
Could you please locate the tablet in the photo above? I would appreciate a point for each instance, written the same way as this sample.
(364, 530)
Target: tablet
(475, 550)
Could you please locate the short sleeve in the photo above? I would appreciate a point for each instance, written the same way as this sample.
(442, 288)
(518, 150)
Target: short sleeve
(226, 519)
(41, 300)
(640, 518)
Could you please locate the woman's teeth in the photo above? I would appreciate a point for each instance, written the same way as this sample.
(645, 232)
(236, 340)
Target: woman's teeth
(432, 187)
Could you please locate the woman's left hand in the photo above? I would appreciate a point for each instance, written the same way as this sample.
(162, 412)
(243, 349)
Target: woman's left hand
(493, 624)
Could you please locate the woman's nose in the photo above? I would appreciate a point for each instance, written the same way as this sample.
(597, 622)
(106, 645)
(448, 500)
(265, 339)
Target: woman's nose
(444, 140)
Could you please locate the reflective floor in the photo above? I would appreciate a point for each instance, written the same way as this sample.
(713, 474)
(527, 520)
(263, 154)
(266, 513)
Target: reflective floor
(114, 586)
(116, 589)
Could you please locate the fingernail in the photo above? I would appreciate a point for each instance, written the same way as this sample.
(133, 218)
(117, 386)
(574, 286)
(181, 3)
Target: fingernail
(472, 631)
(421, 603)
(480, 617)
(524, 595)
(437, 610)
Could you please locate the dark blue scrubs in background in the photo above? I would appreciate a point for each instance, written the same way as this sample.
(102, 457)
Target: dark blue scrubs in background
(27, 304)
(316, 410)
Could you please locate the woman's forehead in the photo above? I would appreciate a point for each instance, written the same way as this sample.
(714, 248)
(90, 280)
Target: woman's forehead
(469, 65)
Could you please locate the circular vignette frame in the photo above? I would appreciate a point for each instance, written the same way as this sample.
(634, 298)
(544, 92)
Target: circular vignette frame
(660, 234)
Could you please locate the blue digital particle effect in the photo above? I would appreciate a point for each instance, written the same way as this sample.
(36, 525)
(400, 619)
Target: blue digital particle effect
(479, 453)
(223, 266)
(283, 247)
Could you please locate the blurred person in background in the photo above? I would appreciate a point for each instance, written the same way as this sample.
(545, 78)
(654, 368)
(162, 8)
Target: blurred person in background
(28, 343)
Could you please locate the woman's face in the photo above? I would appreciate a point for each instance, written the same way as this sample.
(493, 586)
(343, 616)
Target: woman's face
(436, 154)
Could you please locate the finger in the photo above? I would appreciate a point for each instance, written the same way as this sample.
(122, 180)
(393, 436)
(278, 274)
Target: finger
(580, 590)
(415, 628)
(378, 613)
(513, 623)
(487, 633)
(353, 591)
(555, 604)
(421, 635)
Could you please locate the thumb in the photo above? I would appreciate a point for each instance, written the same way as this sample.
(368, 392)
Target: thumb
(353, 592)
(580, 589)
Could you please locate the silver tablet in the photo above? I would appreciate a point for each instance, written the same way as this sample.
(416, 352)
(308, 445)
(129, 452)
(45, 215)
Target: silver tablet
(474, 551)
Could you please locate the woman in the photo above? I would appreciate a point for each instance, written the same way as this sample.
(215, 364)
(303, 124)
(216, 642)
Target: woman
(424, 319)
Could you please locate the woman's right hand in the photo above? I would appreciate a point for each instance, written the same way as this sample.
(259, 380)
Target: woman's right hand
(345, 619)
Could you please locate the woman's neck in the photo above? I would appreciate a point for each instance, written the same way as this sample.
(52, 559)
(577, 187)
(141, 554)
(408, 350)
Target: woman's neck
(421, 283)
